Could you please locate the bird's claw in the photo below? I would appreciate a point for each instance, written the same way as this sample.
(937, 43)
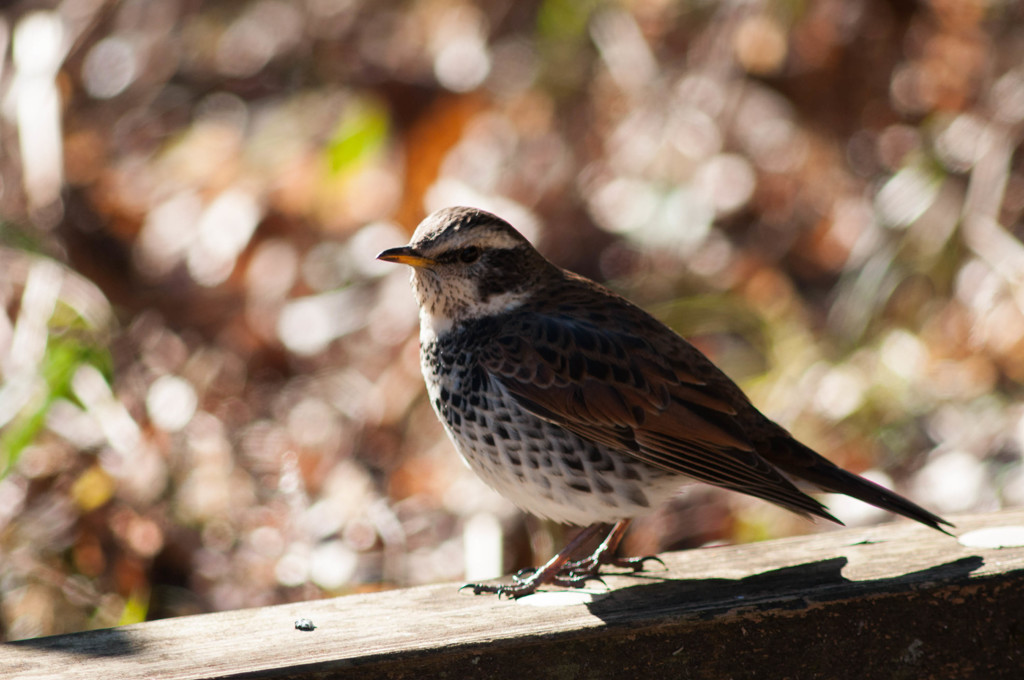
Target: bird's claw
(577, 580)
(637, 563)
(511, 591)
(478, 588)
(591, 565)
(521, 586)
(523, 574)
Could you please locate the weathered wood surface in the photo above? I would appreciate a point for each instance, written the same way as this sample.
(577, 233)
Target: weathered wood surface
(896, 601)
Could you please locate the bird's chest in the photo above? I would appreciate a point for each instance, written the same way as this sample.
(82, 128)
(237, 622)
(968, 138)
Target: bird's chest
(539, 466)
(460, 391)
(497, 438)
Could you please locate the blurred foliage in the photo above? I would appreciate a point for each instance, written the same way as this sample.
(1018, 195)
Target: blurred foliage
(361, 133)
(64, 354)
(209, 389)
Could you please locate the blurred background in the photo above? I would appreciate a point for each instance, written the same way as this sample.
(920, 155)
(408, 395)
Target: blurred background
(209, 389)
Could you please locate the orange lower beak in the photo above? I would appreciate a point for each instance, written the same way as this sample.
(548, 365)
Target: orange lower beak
(405, 255)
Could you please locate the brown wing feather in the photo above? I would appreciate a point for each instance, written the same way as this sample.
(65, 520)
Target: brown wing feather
(607, 381)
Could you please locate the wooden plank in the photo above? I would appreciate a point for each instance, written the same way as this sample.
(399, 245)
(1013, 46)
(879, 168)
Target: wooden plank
(895, 601)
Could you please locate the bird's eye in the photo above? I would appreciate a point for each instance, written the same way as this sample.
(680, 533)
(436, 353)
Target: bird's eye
(469, 254)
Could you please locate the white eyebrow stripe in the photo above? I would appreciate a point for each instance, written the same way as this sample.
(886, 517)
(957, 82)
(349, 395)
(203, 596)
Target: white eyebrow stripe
(489, 240)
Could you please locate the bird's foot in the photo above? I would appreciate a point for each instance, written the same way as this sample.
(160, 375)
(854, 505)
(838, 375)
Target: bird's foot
(604, 555)
(590, 566)
(564, 577)
(511, 591)
(577, 573)
(528, 581)
(560, 571)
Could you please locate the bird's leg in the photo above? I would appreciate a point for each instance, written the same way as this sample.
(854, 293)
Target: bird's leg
(577, 572)
(588, 567)
(526, 583)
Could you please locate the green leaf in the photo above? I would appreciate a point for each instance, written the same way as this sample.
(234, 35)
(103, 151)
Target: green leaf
(64, 354)
(135, 609)
(360, 134)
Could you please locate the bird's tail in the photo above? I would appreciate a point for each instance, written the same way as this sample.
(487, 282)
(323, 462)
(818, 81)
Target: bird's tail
(804, 464)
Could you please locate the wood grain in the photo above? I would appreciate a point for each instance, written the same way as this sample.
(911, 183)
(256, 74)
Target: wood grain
(891, 601)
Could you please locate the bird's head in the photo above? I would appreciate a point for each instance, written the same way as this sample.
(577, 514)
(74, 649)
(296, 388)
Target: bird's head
(468, 264)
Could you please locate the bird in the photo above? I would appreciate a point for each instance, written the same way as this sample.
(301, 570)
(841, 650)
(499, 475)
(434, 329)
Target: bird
(580, 407)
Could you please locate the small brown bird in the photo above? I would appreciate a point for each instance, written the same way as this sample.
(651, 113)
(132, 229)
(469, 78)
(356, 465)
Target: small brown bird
(580, 407)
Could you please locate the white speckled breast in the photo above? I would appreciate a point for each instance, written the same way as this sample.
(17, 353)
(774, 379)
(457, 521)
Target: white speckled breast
(541, 467)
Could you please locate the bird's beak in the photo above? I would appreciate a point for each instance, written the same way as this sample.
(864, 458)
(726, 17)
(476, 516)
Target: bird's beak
(405, 255)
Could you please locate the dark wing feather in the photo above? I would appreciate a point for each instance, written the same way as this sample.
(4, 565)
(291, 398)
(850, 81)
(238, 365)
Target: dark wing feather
(613, 375)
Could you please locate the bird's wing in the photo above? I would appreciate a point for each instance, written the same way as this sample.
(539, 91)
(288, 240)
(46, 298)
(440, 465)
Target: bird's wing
(660, 401)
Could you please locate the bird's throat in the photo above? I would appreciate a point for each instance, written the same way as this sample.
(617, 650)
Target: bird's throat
(433, 326)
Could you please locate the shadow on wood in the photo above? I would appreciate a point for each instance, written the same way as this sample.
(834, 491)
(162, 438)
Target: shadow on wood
(762, 592)
(108, 642)
(895, 601)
